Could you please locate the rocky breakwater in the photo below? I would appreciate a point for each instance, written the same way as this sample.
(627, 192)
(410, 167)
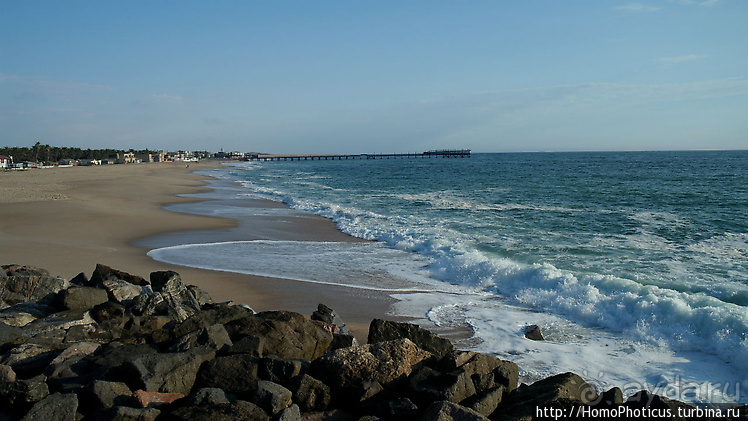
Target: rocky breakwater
(120, 347)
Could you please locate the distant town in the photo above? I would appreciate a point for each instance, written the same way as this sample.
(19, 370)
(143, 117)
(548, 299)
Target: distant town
(45, 156)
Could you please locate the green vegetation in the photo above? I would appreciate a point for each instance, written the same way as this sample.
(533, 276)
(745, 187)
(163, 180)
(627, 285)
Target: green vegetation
(46, 153)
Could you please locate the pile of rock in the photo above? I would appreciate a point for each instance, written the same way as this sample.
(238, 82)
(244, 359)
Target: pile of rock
(119, 347)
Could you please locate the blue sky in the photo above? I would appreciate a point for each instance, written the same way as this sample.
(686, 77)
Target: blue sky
(385, 76)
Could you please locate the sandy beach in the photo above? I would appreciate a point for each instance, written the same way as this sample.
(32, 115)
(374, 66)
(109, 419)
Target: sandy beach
(67, 220)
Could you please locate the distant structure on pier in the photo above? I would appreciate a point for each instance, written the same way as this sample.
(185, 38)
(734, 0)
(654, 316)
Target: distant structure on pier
(437, 153)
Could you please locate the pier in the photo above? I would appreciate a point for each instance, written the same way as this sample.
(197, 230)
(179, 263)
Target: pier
(442, 153)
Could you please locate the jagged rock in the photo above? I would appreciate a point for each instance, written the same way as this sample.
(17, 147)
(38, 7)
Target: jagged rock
(68, 363)
(214, 337)
(115, 354)
(644, 399)
(208, 396)
(488, 372)
(10, 336)
(120, 291)
(398, 409)
(7, 375)
(566, 389)
(30, 359)
(103, 273)
(455, 359)
(144, 399)
(250, 344)
(202, 296)
(21, 394)
(82, 298)
(431, 385)
(342, 341)
(286, 334)
(241, 410)
(533, 332)
(57, 406)
(292, 413)
(216, 314)
(235, 374)
(170, 297)
(107, 311)
(383, 330)
(328, 315)
(279, 370)
(166, 373)
(16, 319)
(347, 370)
(26, 283)
(309, 393)
(79, 279)
(55, 326)
(271, 397)
(126, 413)
(106, 394)
(486, 403)
(449, 411)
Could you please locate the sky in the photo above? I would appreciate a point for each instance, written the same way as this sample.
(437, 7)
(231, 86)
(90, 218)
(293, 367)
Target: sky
(381, 76)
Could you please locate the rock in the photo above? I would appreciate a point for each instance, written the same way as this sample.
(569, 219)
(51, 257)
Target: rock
(167, 372)
(272, 397)
(286, 334)
(106, 394)
(145, 399)
(328, 315)
(397, 409)
(644, 399)
(26, 283)
(449, 411)
(107, 311)
(16, 319)
(115, 354)
(202, 296)
(82, 298)
(347, 370)
(7, 375)
(120, 291)
(10, 336)
(55, 326)
(241, 410)
(561, 390)
(69, 362)
(431, 385)
(171, 297)
(208, 396)
(488, 372)
(292, 413)
(486, 403)
(250, 344)
(21, 394)
(612, 397)
(125, 413)
(214, 337)
(216, 314)
(57, 406)
(279, 370)
(30, 359)
(309, 393)
(103, 273)
(342, 341)
(383, 330)
(533, 332)
(236, 374)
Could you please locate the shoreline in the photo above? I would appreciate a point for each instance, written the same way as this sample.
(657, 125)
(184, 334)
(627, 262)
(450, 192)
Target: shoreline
(69, 219)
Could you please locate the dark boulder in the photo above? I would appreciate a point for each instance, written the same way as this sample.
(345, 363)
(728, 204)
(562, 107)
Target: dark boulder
(241, 410)
(170, 297)
(309, 393)
(105, 394)
(166, 372)
(59, 407)
(533, 332)
(450, 411)
(271, 397)
(285, 334)
(327, 315)
(103, 273)
(562, 390)
(10, 336)
(82, 298)
(19, 283)
(214, 337)
(384, 330)
(235, 374)
(107, 311)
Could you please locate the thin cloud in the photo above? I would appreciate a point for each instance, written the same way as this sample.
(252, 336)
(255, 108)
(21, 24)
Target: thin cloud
(638, 7)
(700, 3)
(679, 59)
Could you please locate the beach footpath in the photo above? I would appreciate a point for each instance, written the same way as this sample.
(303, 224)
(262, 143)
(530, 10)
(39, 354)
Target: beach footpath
(117, 346)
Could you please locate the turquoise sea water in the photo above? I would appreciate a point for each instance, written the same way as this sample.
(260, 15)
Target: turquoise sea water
(635, 264)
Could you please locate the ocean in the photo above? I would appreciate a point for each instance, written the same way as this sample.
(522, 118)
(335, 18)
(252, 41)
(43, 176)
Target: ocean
(633, 264)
